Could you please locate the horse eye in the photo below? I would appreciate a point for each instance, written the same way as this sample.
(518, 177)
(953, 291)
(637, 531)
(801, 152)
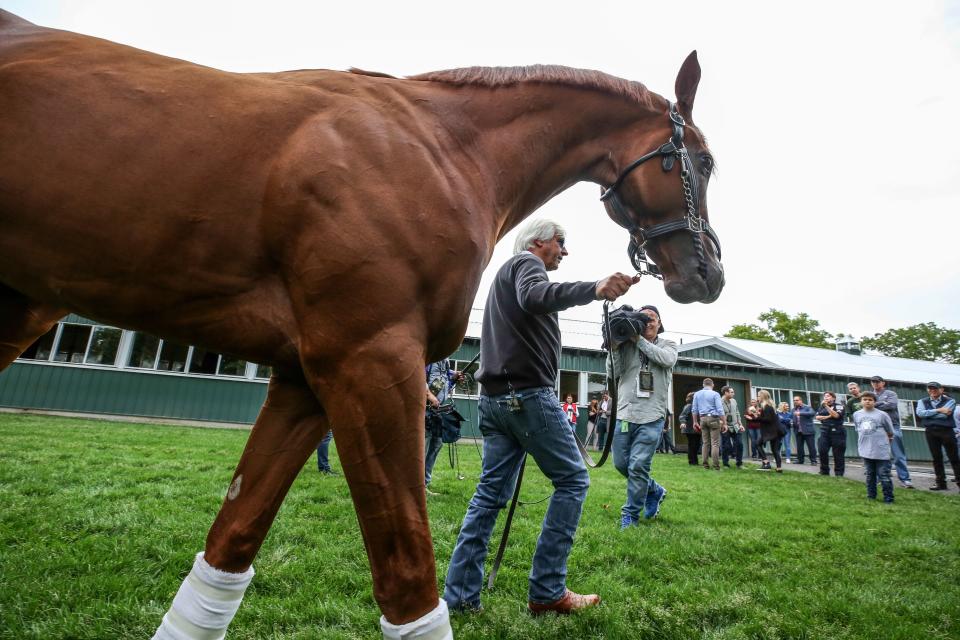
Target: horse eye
(707, 163)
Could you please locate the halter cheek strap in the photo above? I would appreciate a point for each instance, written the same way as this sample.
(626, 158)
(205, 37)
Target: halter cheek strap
(669, 152)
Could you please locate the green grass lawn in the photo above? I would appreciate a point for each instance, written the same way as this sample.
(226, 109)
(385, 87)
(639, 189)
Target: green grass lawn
(100, 522)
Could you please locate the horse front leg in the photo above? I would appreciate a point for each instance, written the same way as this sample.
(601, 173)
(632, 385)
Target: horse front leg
(375, 400)
(287, 431)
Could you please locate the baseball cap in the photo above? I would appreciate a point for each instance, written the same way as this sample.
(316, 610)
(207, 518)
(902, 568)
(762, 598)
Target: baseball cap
(934, 385)
(877, 379)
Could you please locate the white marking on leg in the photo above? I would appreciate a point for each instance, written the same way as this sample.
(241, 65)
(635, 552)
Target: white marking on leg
(234, 489)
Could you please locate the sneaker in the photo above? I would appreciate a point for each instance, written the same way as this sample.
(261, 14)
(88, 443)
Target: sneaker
(569, 603)
(788, 461)
(906, 484)
(651, 507)
(938, 487)
(764, 467)
(779, 470)
(626, 521)
(328, 472)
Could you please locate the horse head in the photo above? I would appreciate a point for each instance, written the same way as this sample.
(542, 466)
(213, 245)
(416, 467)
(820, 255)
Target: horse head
(663, 204)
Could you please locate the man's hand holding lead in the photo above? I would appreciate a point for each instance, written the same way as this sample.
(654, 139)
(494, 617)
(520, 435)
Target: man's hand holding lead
(612, 287)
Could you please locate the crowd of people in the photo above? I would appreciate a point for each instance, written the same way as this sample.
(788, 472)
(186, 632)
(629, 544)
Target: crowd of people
(714, 427)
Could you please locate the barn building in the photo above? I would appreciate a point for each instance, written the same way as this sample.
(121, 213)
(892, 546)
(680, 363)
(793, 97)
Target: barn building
(81, 367)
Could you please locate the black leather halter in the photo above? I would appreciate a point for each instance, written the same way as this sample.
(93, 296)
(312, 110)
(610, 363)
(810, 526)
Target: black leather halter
(670, 152)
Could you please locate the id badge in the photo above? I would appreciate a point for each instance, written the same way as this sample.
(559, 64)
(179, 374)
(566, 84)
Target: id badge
(624, 426)
(644, 384)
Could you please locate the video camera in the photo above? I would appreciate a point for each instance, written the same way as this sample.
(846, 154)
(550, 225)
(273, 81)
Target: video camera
(625, 323)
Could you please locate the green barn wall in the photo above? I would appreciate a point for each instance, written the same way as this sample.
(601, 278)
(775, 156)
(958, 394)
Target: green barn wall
(73, 388)
(130, 393)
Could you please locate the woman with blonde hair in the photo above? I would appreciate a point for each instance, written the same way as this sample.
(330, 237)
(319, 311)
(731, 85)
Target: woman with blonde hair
(769, 430)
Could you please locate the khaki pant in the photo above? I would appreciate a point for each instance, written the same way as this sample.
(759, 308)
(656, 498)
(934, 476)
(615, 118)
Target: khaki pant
(710, 428)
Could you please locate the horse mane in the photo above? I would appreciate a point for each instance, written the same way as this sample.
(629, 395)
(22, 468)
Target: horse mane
(542, 73)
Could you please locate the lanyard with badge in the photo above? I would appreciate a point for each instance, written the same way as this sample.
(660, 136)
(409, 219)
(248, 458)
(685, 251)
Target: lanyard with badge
(644, 378)
(644, 384)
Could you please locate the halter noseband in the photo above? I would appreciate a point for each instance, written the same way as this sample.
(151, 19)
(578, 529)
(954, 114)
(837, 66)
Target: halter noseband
(670, 151)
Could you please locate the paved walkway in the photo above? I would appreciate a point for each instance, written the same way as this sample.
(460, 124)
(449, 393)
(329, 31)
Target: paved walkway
(921, 476)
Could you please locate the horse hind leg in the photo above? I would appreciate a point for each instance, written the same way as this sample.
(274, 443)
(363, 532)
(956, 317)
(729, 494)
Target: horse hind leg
(375, 399)
(288, 429)
(22, 321)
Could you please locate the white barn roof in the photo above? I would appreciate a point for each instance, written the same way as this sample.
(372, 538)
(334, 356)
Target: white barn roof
(810, 359)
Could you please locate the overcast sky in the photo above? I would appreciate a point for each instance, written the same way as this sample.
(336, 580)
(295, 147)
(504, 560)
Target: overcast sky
(834, 125)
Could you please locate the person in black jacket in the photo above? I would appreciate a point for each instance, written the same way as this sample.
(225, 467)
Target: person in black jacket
(686, 427)
(936, 416)
(769, 431)
(520, 414)
(833, 435)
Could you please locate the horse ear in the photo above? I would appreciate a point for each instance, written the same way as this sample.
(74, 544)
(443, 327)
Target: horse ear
(686, 85)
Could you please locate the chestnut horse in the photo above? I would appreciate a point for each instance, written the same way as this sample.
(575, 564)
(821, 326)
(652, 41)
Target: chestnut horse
(334, 225)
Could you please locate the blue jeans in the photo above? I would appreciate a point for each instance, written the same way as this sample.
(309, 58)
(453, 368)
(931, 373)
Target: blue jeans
(542, 430)
(632, 454)
(732, 447)
(323, 452)
(878, 469)
(806, 439)
(754, 442)
(432, 446)
(899, 455)
(786, 442)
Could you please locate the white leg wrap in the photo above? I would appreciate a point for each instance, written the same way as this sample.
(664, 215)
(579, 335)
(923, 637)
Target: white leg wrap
(433, 626)
(205, 604)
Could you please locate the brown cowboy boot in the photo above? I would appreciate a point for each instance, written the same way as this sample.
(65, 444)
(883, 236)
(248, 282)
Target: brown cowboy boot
(569, 603)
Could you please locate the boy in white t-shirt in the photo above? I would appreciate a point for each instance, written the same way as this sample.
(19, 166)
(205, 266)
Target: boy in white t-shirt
(874, 433)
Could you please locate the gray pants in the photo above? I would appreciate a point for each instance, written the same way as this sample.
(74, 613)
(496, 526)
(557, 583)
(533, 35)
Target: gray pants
(710, 428)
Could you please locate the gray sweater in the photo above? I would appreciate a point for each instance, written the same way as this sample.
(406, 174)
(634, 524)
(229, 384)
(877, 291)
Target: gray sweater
(661, 356)
(520, 339)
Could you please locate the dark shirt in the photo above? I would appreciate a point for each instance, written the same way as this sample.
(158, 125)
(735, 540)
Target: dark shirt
(769, 423)
(853, 405)
(828, 423)
(520, 339)
(685, 420)
(937, 420)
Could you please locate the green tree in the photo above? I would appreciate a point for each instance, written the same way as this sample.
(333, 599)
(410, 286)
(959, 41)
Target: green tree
(780, 327)
(925, 341)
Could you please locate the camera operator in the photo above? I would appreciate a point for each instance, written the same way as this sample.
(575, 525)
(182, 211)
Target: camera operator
(644, 364)
(520, 414)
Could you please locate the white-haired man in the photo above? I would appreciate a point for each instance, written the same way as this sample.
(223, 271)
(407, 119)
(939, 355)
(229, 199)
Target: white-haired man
(520, 414)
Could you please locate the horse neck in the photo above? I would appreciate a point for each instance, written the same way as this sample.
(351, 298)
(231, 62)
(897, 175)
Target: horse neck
(536, 140)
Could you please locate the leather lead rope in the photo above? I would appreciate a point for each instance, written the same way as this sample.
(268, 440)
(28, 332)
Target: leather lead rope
(612, 386)
(506, 526)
